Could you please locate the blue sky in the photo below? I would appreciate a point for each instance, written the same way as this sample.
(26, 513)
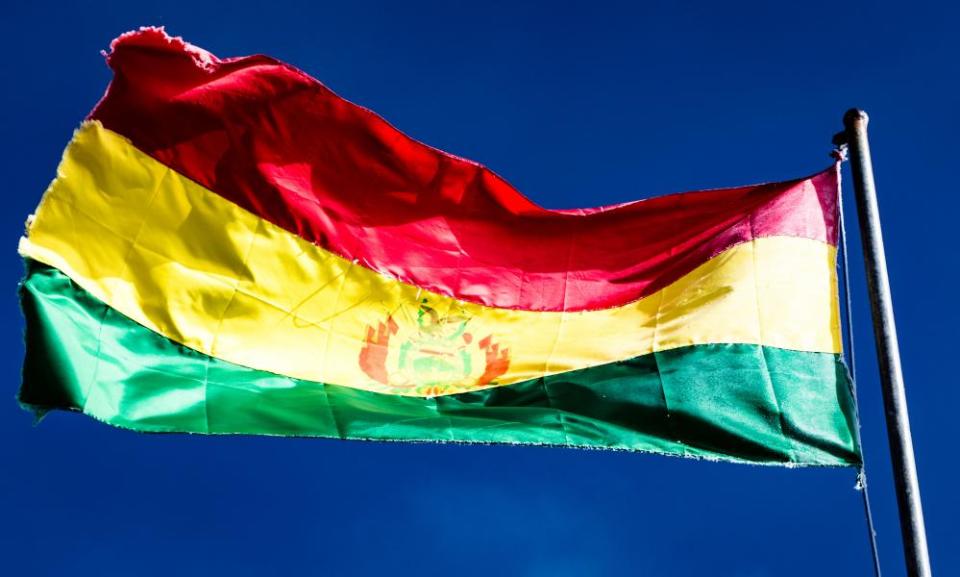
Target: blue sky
(576, 106)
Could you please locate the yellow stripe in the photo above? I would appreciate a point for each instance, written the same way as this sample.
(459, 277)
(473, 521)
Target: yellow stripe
(198, 269)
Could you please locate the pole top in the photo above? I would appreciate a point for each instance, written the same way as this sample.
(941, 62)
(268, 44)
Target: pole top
(855, 116)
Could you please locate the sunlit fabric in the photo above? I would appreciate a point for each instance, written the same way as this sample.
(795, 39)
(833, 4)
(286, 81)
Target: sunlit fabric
(281, 145)
(210, 275)
(229, 247)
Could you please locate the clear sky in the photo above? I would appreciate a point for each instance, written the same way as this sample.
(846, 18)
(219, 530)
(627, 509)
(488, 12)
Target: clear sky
(576, 106)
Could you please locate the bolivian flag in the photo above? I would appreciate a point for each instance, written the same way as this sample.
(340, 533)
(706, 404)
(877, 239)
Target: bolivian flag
(229, 247)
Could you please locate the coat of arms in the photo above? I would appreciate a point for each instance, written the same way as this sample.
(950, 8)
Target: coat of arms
(432, 355)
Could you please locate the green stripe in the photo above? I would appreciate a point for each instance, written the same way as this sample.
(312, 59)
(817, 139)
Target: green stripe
(727, 401)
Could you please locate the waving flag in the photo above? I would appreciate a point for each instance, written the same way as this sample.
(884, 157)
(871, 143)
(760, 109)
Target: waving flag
(229, 247)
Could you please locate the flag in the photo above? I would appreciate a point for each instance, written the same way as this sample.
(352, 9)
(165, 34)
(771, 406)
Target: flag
(230, 248)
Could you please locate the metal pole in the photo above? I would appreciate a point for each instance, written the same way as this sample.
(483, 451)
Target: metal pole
(888, 351)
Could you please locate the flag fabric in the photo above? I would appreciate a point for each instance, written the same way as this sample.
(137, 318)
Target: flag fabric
(229, 247)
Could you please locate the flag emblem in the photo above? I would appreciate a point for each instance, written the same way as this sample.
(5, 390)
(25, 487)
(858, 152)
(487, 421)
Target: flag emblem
(433, 354)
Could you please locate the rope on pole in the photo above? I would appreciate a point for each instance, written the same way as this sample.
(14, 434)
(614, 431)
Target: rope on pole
(840, 155)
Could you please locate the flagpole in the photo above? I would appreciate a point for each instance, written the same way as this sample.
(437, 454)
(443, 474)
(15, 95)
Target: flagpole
(888, 351)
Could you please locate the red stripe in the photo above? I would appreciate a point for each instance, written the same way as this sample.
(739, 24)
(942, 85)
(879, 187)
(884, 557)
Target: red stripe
(280, 144)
